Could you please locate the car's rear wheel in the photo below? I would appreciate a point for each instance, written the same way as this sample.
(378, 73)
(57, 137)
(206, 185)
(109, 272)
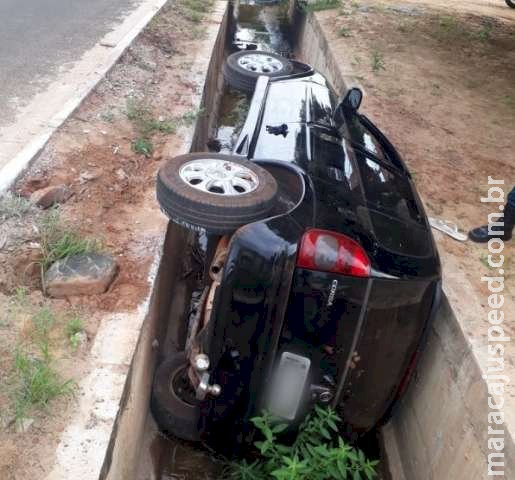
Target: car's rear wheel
(510, 3)
(242, 69)
(173, 402)
(215, 192)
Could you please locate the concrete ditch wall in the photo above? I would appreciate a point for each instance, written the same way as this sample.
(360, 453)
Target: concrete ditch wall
(126, 440)
(441, 427)
(313, 48)
(440, 431)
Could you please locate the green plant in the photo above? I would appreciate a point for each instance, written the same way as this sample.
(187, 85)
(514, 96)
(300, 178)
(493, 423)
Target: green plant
(20, 296)
(58, 241)
(484, 260)
(143, 146)
(74, 328)
(13, 206)
(318, 5)
(485, 32)
(36, 382)
(141, 115)
(317, 453)
(43, 321)
(344, 32)
(107, 116)
(377, 61)
(194, 10)
(146, 125)
(34, 378)
(190, 116)
(450, 24)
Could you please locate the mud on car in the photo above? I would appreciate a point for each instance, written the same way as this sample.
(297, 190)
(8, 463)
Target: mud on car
(324, 276)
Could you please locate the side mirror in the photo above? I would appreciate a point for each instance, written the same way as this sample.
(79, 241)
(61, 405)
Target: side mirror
(349, 104)
(352, 100)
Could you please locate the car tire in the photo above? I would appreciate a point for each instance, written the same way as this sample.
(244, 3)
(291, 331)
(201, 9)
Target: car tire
(182, 195)
(244, 78)
(173, 415)
(510, 3)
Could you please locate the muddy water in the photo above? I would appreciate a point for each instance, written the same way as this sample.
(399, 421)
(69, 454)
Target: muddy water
(255, 25)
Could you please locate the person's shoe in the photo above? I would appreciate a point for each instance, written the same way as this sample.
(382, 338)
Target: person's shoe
(504, 232)
(481, 234)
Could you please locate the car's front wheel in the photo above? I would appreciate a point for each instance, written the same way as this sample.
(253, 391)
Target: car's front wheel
(173, 403)
(215, 192)
(242, 69)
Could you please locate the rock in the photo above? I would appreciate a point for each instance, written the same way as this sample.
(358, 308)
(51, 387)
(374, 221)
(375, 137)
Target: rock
(120, 173)
(87, 176)
(83, 274)
(32, 184)
(48, 196)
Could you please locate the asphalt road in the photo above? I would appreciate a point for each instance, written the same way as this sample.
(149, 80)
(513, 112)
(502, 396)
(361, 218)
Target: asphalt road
(40, 38)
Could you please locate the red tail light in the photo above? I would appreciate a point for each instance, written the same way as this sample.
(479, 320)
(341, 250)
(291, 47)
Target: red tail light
(332, 252)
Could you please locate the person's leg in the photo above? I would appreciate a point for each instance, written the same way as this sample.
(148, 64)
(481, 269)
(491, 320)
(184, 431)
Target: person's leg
(509, 212)
(504, 232)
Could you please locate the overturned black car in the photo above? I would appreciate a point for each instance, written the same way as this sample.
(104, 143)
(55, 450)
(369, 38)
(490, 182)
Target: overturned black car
(325, 275)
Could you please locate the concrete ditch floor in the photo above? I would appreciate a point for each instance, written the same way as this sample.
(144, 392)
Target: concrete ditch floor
(442, 88)
(159, 80)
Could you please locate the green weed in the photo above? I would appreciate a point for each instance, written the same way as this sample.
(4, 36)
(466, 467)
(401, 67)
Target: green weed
(143, 146)
(485, 32)
(191, 116)
(319, 5)
(484, 260)
(13, 206)
(450, 24)
(36, 382)
(58, 241)
(146, 125)
(377, 61)
(107, 116)
(344, 32)
(317, 453)
(194, 10)
(73, 329)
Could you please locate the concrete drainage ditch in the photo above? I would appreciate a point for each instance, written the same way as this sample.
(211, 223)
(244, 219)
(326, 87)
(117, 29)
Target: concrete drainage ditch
(418, 440)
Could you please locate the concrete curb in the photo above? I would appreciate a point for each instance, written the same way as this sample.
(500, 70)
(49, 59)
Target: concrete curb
(38, 121)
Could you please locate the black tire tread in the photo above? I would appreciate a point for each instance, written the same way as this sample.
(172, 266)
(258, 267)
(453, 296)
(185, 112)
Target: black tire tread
(219, 214)
(172, 415)
(245, 80)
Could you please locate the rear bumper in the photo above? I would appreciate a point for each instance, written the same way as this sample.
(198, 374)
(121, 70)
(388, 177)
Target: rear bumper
(247, 321)
(360, 347)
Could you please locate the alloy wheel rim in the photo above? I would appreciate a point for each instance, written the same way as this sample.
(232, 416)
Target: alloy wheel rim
(219, 177)
(260, 63)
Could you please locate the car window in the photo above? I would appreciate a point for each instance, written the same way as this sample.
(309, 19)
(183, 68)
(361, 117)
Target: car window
(387, 190)
(333, 163)
(400, 237)
(321, 104)
(285, 103)
(360, 135)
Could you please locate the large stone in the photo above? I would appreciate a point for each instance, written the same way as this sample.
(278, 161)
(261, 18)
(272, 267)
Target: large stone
(83, 274)
(46, 197)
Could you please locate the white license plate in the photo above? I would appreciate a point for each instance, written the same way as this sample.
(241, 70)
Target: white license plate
(288, 385)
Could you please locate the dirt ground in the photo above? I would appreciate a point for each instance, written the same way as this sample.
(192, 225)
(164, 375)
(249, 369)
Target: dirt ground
(441, 84)
(141, 106)
(490, 8)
